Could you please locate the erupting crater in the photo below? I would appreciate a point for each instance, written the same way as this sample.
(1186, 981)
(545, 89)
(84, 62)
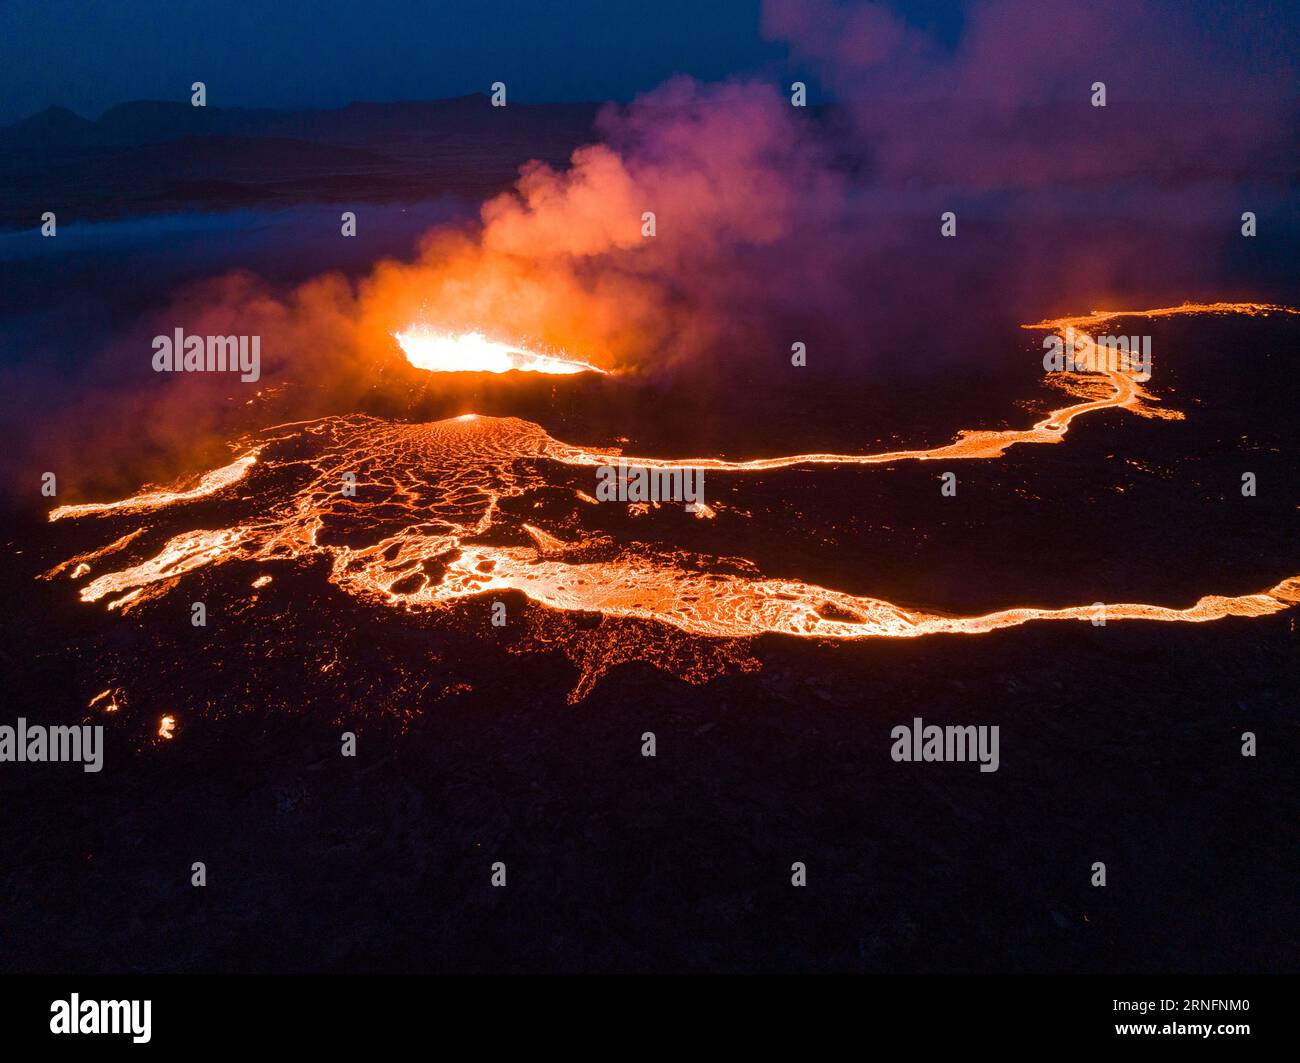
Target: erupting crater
(472, 352)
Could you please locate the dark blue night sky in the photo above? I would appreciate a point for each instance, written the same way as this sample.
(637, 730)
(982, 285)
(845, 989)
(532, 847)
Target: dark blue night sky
(327, 53)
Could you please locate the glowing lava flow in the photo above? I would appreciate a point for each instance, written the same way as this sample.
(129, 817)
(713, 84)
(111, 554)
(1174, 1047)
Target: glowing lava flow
(472, 352)
(724, 606)
(428, 492)
(209, 484)
(1125, 393)
(1101, 317)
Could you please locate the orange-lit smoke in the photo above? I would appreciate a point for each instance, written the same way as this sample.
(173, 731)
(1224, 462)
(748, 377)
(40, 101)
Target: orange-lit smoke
(560, 265)
(565, 262)
(770, 223)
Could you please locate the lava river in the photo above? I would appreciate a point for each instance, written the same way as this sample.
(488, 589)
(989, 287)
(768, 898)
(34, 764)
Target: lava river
(428, 496)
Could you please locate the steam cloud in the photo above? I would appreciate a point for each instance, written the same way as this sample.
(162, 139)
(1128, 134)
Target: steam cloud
(776, 222)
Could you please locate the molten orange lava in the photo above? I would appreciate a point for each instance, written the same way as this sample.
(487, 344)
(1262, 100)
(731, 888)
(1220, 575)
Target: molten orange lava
(434, 491)
(472, 352)
(209, 484)
(1101, 317)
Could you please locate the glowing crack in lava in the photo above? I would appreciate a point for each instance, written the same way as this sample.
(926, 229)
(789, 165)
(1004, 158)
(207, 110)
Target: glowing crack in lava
(428, 494)
(472, 352)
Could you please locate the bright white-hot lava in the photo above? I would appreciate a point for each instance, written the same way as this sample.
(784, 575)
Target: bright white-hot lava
(472, 352)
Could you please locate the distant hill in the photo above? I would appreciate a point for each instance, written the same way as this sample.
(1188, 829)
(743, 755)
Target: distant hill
(154, 156)
(158, 156)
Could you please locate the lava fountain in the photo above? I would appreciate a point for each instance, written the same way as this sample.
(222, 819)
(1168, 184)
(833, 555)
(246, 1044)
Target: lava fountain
(472, 352)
